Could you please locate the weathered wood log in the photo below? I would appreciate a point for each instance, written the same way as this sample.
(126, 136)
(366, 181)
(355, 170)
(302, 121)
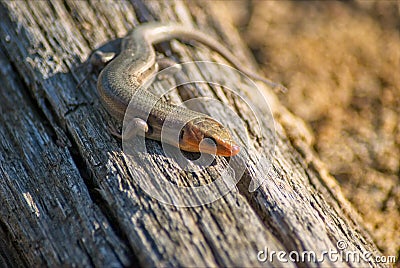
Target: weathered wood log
(67, 193)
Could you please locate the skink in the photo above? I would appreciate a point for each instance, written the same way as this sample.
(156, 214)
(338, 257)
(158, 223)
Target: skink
(136, 63)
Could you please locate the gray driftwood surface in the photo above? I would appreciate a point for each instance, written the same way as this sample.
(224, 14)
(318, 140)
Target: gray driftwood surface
(66, 195)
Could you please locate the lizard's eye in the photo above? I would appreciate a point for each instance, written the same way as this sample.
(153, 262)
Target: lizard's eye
(181, 135)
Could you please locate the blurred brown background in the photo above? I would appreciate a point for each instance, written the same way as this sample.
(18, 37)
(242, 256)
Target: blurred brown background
(341, 63)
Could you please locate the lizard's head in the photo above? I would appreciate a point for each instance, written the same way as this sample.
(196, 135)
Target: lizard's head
(208, 136)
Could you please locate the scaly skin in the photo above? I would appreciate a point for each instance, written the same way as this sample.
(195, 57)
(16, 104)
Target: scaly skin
(121, 79)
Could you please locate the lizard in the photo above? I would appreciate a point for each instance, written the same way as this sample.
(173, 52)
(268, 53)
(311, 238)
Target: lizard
(124, 74)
